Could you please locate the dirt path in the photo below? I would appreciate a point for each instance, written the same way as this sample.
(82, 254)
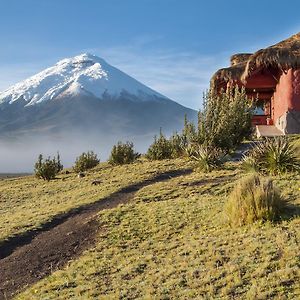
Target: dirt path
(27, 258)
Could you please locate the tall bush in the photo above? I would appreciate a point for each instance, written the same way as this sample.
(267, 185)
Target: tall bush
(160, 149)
(85, 161)
(123, 153)
(225, 119)
(47, 168)
(222, 124)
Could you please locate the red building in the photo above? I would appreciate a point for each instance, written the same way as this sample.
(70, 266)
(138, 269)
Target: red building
(272, 76)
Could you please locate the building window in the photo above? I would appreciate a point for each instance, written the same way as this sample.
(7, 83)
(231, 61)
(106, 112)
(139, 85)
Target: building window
(262, 108)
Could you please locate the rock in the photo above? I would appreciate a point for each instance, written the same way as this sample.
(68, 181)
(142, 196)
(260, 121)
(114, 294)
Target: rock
(96, 182)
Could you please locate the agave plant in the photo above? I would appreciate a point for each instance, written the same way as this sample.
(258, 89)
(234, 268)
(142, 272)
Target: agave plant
(272, 156)
(207, 157)
(252, 159)
(190, 150)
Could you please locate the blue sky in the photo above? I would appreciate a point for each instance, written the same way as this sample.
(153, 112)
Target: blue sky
(174, 46)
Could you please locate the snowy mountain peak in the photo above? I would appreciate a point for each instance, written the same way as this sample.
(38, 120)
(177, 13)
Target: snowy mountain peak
(85, 74)
(82, 60)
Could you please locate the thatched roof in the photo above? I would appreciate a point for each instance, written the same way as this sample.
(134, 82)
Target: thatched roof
(282, 56)
(239, 58)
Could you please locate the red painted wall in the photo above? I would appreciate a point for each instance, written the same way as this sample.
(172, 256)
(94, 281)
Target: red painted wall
(283, 96)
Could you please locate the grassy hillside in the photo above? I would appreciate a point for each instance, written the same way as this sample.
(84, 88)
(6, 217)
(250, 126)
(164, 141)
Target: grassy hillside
(173, 242)
(27, 203)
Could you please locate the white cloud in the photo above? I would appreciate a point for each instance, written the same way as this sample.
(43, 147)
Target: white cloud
(180, 76)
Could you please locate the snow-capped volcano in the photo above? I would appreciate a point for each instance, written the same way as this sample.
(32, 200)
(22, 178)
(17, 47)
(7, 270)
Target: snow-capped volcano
(78, 104)
(85, 74)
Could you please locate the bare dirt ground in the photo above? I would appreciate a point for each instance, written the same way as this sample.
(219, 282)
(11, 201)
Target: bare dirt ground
(27, 258)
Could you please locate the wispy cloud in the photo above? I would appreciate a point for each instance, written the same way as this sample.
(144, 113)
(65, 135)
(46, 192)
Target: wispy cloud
(181, 76)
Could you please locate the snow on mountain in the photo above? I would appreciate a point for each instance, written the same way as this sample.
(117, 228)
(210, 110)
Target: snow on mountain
(80, 75)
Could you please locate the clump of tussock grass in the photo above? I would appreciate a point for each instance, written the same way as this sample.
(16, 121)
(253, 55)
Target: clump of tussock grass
(254, 199)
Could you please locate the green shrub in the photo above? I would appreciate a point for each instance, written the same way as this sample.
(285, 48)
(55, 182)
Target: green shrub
(272, 156)
(59, 165)
(253, 199)
(160, 149)
(177, 145)
(222, 124)
(86, 161)
(207, 157)
(189, 133)
(47, 169)
(250, 162)
(123, 153)
(225, 119)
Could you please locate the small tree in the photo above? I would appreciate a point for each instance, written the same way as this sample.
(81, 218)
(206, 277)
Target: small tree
(58, 163)
(160, 149)
(177, 145)
(47, 169)
(226, 118)
(85, 161)
(123, 153)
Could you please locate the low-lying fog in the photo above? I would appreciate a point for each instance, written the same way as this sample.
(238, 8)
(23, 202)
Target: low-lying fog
(20, 156)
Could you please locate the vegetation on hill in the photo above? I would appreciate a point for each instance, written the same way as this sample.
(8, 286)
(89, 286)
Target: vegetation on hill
(27, 203)
(272, 156)
(86, 161)
(123, 153)
(47, 168)
(173, 242)
(222, 125)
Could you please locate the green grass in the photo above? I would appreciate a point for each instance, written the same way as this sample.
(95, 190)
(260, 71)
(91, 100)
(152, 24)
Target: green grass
(296, 143)
(173, 242)
(27, 203)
